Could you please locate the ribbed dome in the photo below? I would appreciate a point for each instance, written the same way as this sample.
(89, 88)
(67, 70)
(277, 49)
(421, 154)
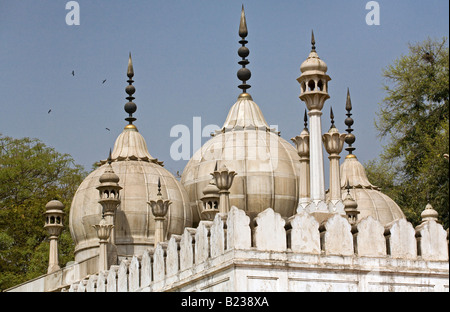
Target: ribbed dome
(109, 176)
(313, 63)
(138, 174)
(266, 165)
(245, 114)
(371, 201)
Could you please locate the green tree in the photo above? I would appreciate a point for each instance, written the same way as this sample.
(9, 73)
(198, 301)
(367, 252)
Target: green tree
(32, 174)
(414, 118)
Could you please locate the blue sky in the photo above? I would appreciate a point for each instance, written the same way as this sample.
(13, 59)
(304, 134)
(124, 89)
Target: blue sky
(185, 60)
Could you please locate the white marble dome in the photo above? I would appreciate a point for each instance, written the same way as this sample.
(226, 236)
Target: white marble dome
(313, 64)
(371, 201)
(138, 174)
(267, 166)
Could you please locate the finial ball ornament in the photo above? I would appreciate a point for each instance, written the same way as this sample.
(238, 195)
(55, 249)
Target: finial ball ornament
(243, 52)
(130, 108)
(244, 74)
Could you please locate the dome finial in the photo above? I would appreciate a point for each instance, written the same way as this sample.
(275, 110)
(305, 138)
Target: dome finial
(313, 42)
(130, 71)
(159, 187)
(305, 119)
(332, 118)
(350, 138)
(130, 107)
(244, 73)
(243, 32)
(109, 157)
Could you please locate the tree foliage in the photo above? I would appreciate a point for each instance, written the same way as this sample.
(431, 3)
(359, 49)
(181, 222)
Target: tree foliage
(32, 174)
(414, 118)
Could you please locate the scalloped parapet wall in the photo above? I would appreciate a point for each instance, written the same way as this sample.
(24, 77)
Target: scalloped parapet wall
(277, 254)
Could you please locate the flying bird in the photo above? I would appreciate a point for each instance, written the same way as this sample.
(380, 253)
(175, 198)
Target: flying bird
(49, 111)
(104, 81)
(107, 129)
(73, 73)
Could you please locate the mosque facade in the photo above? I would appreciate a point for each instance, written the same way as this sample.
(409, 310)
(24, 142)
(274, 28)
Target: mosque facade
(249, 214)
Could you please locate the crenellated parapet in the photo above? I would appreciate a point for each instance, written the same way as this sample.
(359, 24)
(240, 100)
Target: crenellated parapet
(294, 254)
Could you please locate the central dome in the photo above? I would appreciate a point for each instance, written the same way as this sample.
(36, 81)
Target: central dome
(267, 166)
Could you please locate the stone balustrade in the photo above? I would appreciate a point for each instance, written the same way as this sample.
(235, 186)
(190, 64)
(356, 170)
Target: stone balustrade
(191, 255)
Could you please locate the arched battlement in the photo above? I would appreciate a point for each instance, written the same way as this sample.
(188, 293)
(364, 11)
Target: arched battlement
(372, 256)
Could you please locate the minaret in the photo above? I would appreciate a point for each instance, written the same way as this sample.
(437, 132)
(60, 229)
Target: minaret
(160, 207)
(109, 195)
(334, 142)
(302, 143)
(54, 213)
(103, 230)
(210, 199)
(314, 92)
(224, 179)
(351, 206)
(244, 73)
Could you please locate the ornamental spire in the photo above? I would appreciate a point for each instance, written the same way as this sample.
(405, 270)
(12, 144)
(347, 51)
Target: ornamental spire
(130, 107)
(332, 118)
(350, 138)
(313, 42)
(305, 119)
(244, 73)
(159, 187)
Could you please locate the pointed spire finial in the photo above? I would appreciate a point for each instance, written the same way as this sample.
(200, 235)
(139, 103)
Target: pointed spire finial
(350, 138)
(244, 73)
(313, 42)
(159, 187)
(130, 107)
(130, 71)
(348, 104)
(332, 118)
(305, 119)
(243, 32)
(109, 157)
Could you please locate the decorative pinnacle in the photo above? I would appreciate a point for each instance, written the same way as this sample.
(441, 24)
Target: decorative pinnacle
(159, 187)
(109, 157)
(347, 187)
(313, 42)
(332, 118)
(130, 107)
(350, 138)
(305, 119)
(243, 32)
(244, 73)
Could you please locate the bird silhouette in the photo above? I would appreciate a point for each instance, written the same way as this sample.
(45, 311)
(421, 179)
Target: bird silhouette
(107, 129)
(73, 73)
(104, 81)
(49, 111)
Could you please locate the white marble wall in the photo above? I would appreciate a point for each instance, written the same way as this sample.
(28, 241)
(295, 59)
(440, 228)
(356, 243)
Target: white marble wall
(286, 255)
